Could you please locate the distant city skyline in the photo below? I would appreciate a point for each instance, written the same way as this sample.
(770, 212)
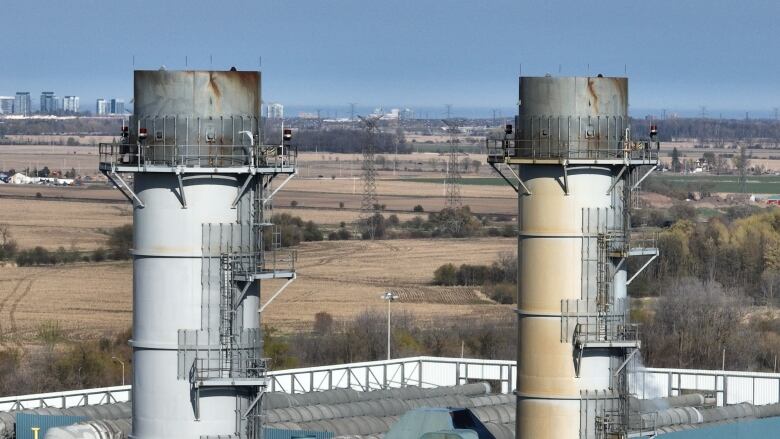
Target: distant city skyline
(678, 55)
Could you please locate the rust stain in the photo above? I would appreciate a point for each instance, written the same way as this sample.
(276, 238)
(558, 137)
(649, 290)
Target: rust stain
(213, 85)
(593, 94)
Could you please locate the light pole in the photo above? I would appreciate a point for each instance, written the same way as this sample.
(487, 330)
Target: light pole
(123, 368)
(389, 296)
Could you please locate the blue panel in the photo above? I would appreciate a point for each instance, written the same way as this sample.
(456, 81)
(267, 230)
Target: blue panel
(757, 429)
(277, 433)
(26, 422)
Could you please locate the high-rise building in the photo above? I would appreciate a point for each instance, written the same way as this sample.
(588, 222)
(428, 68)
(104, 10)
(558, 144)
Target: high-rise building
(101, 107)
(70, 104)
(275, 111)
(7, 104)
(23, 103)
(47, 102)
(58, 105)
(117, 106)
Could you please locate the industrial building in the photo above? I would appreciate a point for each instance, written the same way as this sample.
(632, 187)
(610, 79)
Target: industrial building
(351, 400)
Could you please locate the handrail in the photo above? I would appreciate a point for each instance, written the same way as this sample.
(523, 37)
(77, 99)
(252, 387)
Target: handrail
(202, 155)
(594, 149)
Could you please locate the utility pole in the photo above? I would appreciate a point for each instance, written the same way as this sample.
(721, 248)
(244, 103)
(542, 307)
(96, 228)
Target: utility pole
(389, 296)
(123, 368)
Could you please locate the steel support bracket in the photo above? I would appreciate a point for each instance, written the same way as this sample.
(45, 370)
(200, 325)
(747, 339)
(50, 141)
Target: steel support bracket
(123, 187)
(510, 182)
(242, 295)
(278, 188)
(257, 399)
(520, 181)
(642, 268)
(565, 179)
(578, 350)
(647, 174)
(622, 365)
(241, 191)
(181, 189)
(277, 293)
(617, 179)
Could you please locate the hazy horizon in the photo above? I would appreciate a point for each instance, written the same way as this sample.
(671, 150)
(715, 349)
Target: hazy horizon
(679, 56)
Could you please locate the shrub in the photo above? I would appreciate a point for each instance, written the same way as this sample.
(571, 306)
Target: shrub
(120, 242)
(504, 293)
(323, 323)
(99, 255)
(293, 203)
(311, 232)
(49, 332)
(445, 275)
(8, 246)
(418, 208)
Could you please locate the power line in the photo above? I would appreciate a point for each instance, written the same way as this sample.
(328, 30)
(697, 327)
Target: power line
(452, 179)
(369, 206)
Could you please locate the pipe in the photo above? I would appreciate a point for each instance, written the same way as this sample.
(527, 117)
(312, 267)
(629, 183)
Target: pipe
(106, 429)
(93, 412)
(637, 405)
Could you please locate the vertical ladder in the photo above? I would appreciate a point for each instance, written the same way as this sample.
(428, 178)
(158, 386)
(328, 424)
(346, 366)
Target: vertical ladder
(226, 313)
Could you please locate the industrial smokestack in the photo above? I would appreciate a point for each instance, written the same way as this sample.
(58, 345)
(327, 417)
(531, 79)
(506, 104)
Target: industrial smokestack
(201, 174)
(572, 162)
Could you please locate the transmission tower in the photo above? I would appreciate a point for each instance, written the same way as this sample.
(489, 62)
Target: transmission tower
(452, 178)
(369, 206)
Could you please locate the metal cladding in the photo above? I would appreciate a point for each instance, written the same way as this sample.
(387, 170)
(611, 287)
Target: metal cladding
(200, 114)
(571, 160)
(580, 112)
(202, 180)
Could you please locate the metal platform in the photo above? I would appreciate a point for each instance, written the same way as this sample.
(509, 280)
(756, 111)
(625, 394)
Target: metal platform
(229, 382)
(572, 152)
(197, 159)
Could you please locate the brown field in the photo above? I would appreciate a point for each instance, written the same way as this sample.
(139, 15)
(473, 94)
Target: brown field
(52, 224)
(86, 301)
(82, 158)
(343, 278)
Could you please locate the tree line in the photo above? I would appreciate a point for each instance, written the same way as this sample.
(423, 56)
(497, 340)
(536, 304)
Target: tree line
(709, 130)
(364, 338)
(119, 244)
(344, 140)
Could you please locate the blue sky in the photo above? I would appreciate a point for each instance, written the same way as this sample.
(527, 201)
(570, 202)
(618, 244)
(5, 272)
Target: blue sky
(679, 55)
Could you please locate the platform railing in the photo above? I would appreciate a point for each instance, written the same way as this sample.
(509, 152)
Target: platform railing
(730, 387)
(558, 149)
(196, 156)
